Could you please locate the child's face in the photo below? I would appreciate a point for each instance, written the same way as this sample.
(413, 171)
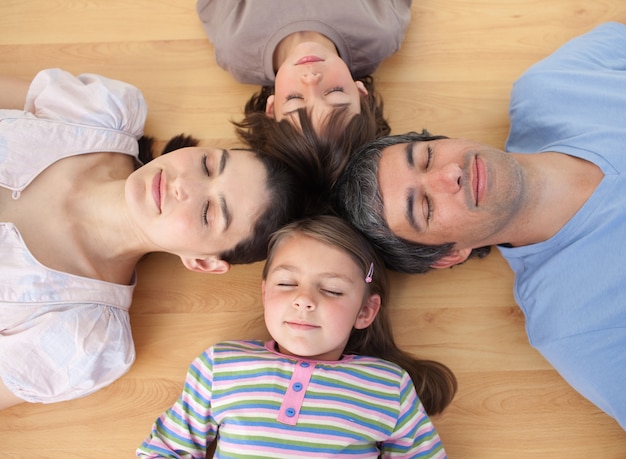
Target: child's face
(315, 78)
(313, 296)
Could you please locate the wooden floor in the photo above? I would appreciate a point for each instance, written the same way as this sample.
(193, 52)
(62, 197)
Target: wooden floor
(453, 75)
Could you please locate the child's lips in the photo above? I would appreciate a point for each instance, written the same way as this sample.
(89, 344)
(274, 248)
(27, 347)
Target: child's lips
(301, 325)
(308, 60)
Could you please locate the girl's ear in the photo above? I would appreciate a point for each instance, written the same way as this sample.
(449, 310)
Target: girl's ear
(269, 106)
(263, 292)
(368, 312)
(211, 265)
(361, 87)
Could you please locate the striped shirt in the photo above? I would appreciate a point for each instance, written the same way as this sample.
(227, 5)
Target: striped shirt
(265, 404)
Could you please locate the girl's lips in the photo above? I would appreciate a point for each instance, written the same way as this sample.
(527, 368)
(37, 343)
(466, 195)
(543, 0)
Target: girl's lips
(308, 60)
(301, 326)
(156, 190)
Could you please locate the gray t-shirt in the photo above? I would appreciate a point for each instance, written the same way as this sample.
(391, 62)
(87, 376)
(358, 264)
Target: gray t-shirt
(245, 33)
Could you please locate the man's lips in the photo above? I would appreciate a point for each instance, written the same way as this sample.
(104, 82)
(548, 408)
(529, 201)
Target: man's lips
(157, 189)
(479, 180)
(309, 60)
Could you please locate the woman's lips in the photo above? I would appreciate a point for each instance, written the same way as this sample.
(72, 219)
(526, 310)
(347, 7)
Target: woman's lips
(308, 60)
(156, 190)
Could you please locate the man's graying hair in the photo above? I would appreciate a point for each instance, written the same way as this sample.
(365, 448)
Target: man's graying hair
(357, 198)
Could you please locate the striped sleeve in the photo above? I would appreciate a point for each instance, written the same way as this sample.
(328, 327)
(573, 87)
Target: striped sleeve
(187, 428)
(414, 435)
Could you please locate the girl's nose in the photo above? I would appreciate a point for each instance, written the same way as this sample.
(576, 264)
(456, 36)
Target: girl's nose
(304, 301)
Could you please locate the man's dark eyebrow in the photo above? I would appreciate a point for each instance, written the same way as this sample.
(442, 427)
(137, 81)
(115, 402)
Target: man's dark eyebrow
(225, 212)
(410, 197)
(410, 201)
(409, 154)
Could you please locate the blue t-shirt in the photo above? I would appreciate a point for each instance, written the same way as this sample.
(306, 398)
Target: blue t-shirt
(572, 287)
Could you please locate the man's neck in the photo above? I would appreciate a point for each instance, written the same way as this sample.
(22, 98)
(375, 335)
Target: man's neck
(559, 185)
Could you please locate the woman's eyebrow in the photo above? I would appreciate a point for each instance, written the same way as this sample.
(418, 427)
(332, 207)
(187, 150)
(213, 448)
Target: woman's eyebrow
(223, 206)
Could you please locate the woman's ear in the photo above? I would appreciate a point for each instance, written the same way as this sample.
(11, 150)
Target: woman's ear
(210, 264)
(453, 258)
(269, 106)
(361, 87)
(368, 312)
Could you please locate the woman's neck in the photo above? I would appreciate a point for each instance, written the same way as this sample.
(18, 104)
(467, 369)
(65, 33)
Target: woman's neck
(110, 247)
(287, 44)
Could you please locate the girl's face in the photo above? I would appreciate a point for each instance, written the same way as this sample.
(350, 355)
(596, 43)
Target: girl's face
(197, 203)
(314, 295)
(315, 78)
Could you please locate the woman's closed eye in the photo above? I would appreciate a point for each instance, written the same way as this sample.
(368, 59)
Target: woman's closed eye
(205, 211)
(294, 96)
(429, 157)
(205, 168)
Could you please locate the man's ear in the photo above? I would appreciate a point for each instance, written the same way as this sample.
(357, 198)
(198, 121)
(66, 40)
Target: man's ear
(269, 106)
(453, 258)
(210, 264)
(361, 87)
(368, 312)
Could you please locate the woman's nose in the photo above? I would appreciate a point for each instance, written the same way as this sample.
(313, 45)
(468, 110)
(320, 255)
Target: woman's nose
(185, 187)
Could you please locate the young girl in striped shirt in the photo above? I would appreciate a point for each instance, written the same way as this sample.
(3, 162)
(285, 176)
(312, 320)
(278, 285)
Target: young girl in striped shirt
(332, 382)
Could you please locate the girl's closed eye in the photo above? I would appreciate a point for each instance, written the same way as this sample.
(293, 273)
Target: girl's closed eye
(332, 291)
(293, 96)
(286, 284)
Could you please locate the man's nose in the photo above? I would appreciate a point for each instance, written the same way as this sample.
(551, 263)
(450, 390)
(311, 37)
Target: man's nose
(446, 179)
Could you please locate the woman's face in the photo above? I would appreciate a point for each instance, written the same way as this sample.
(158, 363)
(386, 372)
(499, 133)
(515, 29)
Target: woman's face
(315, 78)
(197, 202)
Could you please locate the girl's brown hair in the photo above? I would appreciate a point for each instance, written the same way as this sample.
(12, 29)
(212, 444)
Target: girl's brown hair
(434, 382)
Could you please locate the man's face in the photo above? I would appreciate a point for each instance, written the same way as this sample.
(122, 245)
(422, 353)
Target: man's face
(450, 190)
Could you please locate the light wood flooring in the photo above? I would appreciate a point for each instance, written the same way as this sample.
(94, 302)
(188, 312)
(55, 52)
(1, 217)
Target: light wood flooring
(453, 76)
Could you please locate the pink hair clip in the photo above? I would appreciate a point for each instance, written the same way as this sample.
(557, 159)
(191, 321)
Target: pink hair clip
(370, 273)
